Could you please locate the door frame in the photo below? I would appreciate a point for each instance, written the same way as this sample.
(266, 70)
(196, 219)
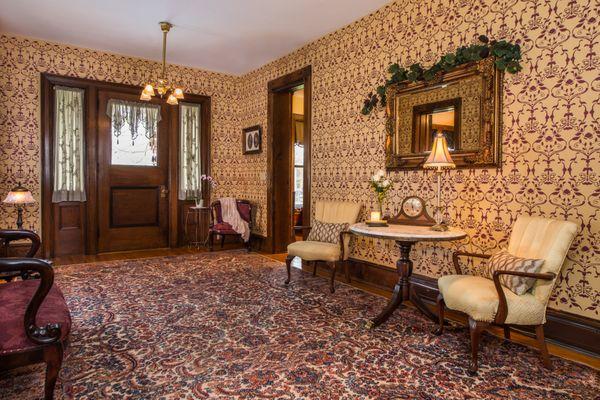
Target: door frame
(89, 209)
(274, 210)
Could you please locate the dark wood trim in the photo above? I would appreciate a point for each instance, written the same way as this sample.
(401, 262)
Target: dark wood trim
(285, 83)
(91, 87)
(562, 328)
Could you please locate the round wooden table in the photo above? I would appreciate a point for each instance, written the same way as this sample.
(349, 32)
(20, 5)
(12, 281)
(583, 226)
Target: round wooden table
(405, 236)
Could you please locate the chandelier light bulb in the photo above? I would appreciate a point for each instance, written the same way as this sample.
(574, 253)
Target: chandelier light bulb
(149, 90)
(178, 93)
(172, 100)
(145, 96)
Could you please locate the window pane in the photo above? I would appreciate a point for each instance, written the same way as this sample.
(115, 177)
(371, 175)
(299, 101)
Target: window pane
(298, 186)
(298, 154)
(190, 182)
(139, 152)
(134, 132)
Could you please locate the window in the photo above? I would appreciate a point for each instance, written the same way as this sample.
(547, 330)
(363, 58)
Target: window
(190, 166)
(298, 175)
(69, 176)
(134, 128)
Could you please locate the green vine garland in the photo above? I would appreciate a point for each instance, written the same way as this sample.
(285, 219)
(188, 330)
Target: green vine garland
(507, 57)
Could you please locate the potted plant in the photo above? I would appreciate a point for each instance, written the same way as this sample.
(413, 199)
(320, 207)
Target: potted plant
(211, 184)
(380, 185)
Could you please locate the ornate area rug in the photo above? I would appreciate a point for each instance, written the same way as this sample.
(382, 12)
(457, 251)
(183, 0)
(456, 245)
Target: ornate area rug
(223, 326)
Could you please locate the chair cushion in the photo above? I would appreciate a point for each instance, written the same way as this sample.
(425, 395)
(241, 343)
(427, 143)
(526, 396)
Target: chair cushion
(14, 298)
(327, 231)
(223, 228)
(477, 297)
(314, 251)
(504, 261)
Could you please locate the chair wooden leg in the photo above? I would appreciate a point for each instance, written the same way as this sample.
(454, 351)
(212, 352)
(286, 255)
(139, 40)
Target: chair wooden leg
(211, 240)
(333, 268)
(288, 265)
(222, 241)
(475, 328)
(440, 309)
(347, 272)
(506, 332)
(53, 357)
(248, 245)
(539, 335)
(314, 265)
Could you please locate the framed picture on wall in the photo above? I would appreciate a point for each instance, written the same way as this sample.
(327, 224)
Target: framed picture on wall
(252, 140)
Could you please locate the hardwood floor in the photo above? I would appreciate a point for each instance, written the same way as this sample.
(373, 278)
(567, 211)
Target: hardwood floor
(554, 349)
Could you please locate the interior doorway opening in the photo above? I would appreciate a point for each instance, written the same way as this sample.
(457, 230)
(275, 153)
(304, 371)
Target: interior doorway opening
(289, 159)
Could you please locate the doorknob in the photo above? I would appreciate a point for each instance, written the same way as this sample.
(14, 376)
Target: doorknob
(163, 191)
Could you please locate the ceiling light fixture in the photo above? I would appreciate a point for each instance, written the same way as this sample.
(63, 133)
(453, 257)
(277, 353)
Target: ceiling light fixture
(162, 86)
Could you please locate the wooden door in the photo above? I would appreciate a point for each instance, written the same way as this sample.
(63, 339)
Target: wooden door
(133, 181)
(282, 171)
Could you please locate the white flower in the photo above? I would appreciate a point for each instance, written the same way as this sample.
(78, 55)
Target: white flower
(386, 183)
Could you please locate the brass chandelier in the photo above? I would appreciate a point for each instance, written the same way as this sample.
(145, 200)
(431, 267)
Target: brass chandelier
(162, 85)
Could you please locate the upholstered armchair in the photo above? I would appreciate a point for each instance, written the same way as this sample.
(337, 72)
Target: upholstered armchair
(223, 229)
(331, 252)
(488, 301)
(34, 318)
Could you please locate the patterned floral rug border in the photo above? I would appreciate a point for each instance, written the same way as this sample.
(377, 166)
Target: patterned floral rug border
(222, 325)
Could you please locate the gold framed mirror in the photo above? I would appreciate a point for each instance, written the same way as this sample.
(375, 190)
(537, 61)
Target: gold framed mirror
(465, 104)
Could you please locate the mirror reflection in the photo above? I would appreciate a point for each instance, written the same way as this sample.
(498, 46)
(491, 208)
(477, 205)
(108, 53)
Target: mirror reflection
(429, 119)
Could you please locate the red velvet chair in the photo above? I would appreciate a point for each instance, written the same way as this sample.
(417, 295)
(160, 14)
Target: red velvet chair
(223, 229)
(34, 318)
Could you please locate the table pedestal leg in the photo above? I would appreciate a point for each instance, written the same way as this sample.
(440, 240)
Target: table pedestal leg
(404, 268)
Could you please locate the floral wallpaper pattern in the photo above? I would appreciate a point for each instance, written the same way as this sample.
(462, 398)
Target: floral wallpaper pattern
(550, 149)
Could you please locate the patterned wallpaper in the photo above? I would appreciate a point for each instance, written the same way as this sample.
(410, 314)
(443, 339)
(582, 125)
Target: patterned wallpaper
(551, 142)
(21, 62)
(551, 123)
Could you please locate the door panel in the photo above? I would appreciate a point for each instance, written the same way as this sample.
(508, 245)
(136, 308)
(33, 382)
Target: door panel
(133, 202)
(282, 171)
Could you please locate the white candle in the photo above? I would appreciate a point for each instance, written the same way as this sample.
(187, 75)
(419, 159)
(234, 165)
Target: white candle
(375, 216)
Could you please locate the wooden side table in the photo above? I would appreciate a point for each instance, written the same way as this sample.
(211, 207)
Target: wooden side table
(405, 236)
(197, 221)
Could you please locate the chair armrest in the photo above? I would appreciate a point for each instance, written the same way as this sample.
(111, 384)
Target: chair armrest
(342, 247)
(303, 228)
(502, 305)
(457, 254)
(38, 334)
(10, 235)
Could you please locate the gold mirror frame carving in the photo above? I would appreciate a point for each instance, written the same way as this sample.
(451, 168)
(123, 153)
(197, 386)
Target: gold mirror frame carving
(489, 152)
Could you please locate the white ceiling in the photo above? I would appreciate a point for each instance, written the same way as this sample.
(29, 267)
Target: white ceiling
(230, 36)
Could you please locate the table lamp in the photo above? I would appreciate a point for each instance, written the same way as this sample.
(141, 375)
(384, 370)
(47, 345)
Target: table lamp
(439, 159)
(19, 196)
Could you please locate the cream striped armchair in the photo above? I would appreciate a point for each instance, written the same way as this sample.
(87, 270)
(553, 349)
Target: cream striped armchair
(487, 301)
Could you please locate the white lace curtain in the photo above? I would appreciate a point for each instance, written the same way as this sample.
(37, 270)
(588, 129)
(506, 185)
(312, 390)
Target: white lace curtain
(135, 115)
(69, 176)
(190, 184)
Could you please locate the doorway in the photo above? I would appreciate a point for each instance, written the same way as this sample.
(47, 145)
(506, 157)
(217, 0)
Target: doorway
(131, 179)
(289, 158)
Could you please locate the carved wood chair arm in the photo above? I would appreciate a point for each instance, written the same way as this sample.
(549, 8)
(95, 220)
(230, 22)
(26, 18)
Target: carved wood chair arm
(38, 334)
(503, 305)
(457, 254)
(9, 235)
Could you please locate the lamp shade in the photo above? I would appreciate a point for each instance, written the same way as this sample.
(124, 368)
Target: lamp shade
(440, 156)
(19, 195)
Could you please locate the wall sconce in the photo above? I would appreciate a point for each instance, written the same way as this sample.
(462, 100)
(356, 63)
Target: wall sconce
(19, 196)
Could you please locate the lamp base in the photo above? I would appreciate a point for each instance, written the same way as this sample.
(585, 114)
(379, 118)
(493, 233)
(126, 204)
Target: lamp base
(441, 227)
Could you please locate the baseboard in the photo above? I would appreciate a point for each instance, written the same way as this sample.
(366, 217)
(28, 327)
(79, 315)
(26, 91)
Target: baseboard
(565, 329)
